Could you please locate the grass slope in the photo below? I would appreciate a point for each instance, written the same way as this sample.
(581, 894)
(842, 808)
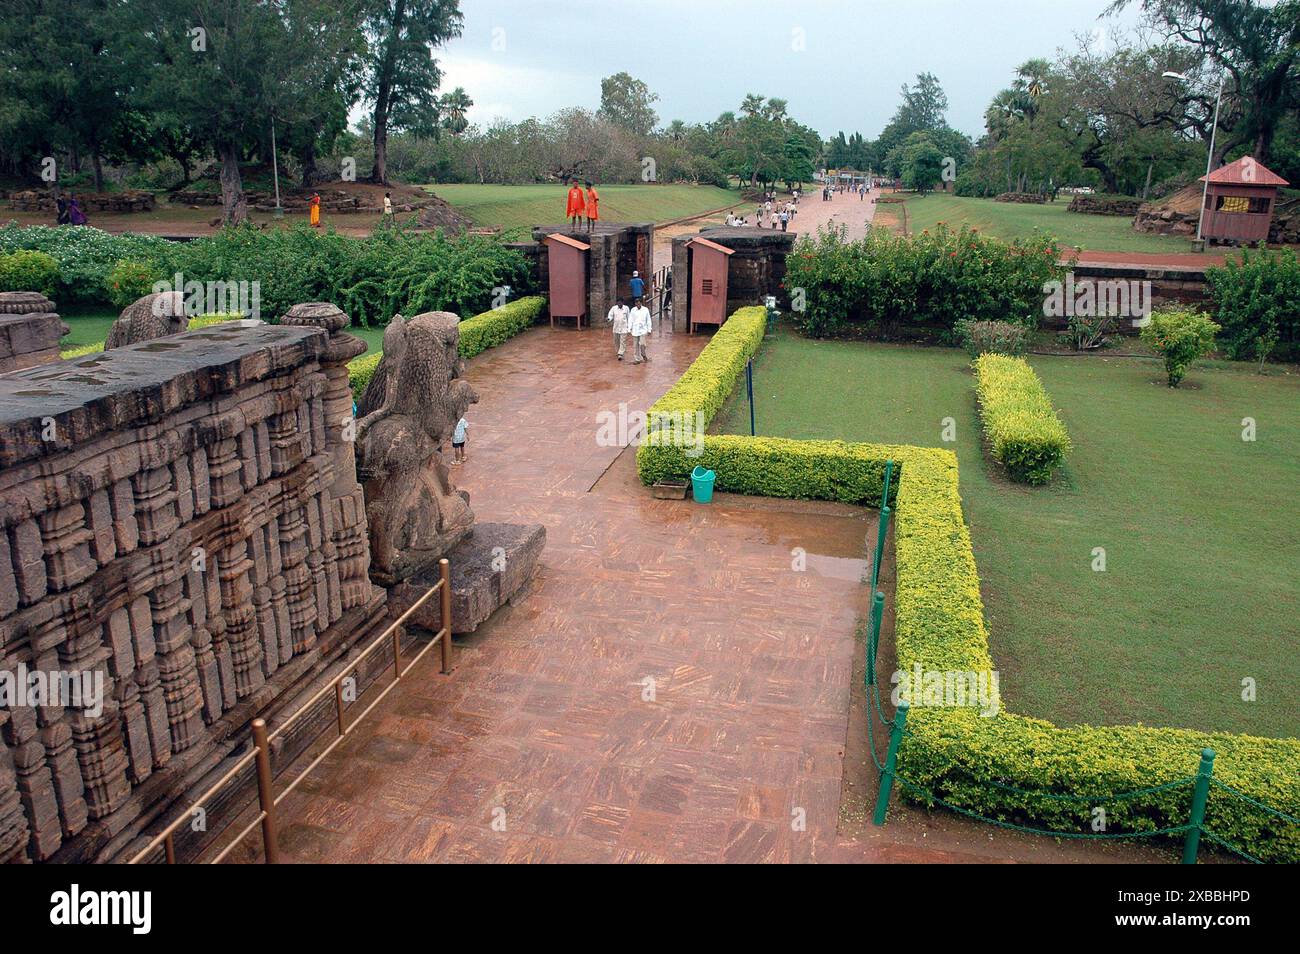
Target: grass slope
(1199, 591)
(1011, 220)
(523, 206)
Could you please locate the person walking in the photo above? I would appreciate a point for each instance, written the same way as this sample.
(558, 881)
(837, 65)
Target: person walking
(637, 286)
(593, 206)
(785, 220)
(576, 206)
(315, 211)
(75, 215)
(388, 208)
(639, 325)
(618, 319)
(61, 212)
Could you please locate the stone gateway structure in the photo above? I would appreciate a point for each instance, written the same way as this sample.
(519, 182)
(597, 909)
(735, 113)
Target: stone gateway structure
(181, 525)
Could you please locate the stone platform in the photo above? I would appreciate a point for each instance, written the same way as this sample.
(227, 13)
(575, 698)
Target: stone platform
(489, 568)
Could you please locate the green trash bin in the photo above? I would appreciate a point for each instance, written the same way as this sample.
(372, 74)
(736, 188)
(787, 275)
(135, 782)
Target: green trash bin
(702, 484)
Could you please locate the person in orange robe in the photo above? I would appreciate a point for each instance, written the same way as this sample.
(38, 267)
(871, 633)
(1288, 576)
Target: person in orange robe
(576, 206)
(593, 205)
(315, 211)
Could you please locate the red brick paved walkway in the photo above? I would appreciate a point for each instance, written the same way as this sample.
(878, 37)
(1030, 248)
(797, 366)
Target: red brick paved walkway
(543, 726)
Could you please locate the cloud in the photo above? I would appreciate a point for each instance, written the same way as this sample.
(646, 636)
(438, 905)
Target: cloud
(511, 90)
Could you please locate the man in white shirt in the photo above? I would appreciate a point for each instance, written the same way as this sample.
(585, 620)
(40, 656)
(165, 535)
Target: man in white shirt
(618, 319)
(639, 324)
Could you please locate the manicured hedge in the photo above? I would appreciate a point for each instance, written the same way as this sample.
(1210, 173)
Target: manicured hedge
(1024, 433)
(477, 334)
(499, 325)
(970, 761)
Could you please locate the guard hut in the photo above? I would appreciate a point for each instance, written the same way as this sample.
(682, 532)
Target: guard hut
(708, 271)
(614, 251)
(1239, 200)
(567, 270)
(755, 270)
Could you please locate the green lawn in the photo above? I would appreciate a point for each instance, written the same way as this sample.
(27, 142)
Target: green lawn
(523, 206)
(1010, 220)
(1201, 542)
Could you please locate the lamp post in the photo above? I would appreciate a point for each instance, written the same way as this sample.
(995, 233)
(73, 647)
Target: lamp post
(1209, 160)
(275, 172)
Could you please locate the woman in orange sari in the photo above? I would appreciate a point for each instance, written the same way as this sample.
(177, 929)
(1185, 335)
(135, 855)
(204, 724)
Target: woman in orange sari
(315, 211)
(576, 206)
(593, 205)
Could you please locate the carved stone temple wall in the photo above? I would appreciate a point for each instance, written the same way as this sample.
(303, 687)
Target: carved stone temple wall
(181, 518)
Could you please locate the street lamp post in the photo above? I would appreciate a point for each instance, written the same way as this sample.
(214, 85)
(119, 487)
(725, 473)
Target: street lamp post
(1209, 160)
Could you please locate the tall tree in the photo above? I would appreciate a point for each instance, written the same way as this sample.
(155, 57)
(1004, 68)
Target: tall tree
(403, 74)
(1257, 45)
(628, 103)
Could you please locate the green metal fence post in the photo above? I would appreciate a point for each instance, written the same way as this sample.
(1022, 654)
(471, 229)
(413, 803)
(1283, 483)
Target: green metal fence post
(1200, 795)
(889, 473)
(881, 532)
(873, 637)
(891, 759)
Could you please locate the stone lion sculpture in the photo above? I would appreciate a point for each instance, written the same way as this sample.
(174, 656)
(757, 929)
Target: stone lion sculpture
(153, 316)
(408, 412)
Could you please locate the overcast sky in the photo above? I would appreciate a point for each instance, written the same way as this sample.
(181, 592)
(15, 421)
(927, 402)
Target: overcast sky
(520, 58)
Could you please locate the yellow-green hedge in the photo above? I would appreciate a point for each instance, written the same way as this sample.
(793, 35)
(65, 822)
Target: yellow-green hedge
(968, 760)
(1024, 433)
(477, 334)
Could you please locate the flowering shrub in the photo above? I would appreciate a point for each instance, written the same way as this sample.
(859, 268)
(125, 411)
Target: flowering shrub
(934, 279)
(1180, 337)
(130, 281)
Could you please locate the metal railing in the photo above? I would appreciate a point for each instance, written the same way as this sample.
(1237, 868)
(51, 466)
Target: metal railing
(260, 756)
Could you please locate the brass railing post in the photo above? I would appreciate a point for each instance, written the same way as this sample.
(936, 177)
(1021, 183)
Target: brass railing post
(264, 795)
(444, 569)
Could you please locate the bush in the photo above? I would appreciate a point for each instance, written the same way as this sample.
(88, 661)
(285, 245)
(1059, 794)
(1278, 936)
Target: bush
(932, 280)
(86, 256)
(1086, 332)
(1180, 337)
(497, 326)
(1257, 301)
(1022, 429)
(997, 337)
(1007, 767)
(477, 334)
(394, 270)
(130, 281)
(29, 271)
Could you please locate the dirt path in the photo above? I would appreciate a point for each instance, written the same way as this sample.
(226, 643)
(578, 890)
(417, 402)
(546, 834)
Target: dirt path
(842, 210)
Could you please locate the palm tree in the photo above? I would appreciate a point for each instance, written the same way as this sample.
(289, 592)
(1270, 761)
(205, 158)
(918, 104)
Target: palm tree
(454, 106)
(752, 104)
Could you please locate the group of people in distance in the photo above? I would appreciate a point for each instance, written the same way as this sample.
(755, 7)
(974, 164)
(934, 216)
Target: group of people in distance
(634, 321)
(582, 204)
(771, 212)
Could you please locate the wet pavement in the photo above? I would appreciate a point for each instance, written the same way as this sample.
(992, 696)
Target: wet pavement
(672, 688)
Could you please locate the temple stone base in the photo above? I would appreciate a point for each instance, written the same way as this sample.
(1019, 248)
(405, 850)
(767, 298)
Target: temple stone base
(29, 331)
(490, 567)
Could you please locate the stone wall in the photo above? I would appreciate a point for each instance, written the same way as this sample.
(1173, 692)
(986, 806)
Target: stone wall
(29, 331)
(1029, 198)
(40, 200)
(1105, 205)
(180, 518)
